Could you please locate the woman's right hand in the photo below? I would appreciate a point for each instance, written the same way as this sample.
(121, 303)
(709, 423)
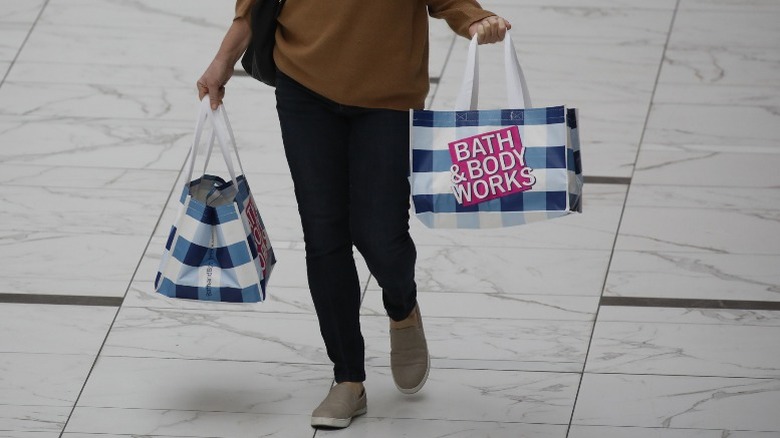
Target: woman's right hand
(213, 81)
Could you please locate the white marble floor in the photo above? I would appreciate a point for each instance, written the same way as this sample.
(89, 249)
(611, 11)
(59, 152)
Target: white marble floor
(655, 314)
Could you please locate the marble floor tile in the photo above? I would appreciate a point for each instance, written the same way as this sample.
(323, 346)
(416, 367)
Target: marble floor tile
(32, 328)
(476, 395)
(12, 36)
(59, 263)
(80, 210)
(739, 317)
(704, 197)
(105, 422)
(493, 305)
(513, 271)
(205, 385)
(198, 16)
(594, 229)
(42, 379)
(700, 230)
(750, 28)
(169, 76)
(52, 101)
(411, 428)
(678, 402)
(74, 177)
(118, 45)
(94, 287)
(279, 300)
(708, 168)
(216, 335)
(684, 349)
(731, 5)
(720, 65)
(698, 275)
(13, 11)
(32, 421)
(609, 159)
(493, 343)
(736, 96)
(103, 143)
(661, 432)
(720, 128)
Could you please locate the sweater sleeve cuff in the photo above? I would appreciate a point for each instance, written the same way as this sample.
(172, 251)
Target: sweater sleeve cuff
(459, 14)
(463, 29)
(243, 8)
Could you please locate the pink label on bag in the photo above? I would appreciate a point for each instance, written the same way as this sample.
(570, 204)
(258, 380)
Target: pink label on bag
(488, 166)
(258, 233)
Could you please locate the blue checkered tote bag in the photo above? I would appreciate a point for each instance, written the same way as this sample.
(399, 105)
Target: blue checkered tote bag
(495, 168)
(218, 249)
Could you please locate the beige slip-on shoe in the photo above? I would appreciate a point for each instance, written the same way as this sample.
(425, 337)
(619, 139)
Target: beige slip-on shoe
(409, 358)
(339, 407)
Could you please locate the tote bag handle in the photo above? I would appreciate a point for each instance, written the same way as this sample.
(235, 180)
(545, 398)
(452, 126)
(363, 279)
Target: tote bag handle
(516, 86)
(223, 132)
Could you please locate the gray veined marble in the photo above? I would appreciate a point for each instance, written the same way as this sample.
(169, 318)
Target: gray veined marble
(100, 422)
(662, 432)
(513, 271)
(206, 385)
(96, 264)
(685, 349)
(494, 343)
(493, 305)
(63, 141)
(700, 230)
(33, 379)
(710, 127)
(694, 275)
(761, 318)
(12, 11)
(707, 167)
(478, 395)
(135, 16)
(80, 210)
(747, 28)
(678, 402)
(53, 329)
(216, 335)
(32, 421)
(12, 36)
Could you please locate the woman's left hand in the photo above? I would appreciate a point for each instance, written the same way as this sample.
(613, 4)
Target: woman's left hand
(490, 30)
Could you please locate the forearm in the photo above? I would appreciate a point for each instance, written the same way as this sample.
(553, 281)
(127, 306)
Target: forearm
(235, 42)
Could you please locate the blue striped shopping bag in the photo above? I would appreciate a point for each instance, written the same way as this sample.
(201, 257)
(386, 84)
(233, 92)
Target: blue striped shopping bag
(495, 168)
(218, 248)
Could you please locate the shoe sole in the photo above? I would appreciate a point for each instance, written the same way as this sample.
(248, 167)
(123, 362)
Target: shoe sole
(336, 423)
(422, 383)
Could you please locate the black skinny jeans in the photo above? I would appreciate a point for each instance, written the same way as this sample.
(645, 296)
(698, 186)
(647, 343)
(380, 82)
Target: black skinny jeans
(349, 166)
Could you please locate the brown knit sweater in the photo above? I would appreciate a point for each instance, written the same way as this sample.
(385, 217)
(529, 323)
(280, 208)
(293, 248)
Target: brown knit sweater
(368, 53)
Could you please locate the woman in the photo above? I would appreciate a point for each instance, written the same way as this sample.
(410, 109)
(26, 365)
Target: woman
(349, 71)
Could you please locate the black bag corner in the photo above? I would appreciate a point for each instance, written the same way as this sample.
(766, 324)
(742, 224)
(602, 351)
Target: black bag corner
(258, 60)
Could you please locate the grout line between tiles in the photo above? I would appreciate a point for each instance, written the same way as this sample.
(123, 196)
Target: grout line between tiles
(127, 289)
(64, 300)
(24, 43)
(623, 211)
(688, 303)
